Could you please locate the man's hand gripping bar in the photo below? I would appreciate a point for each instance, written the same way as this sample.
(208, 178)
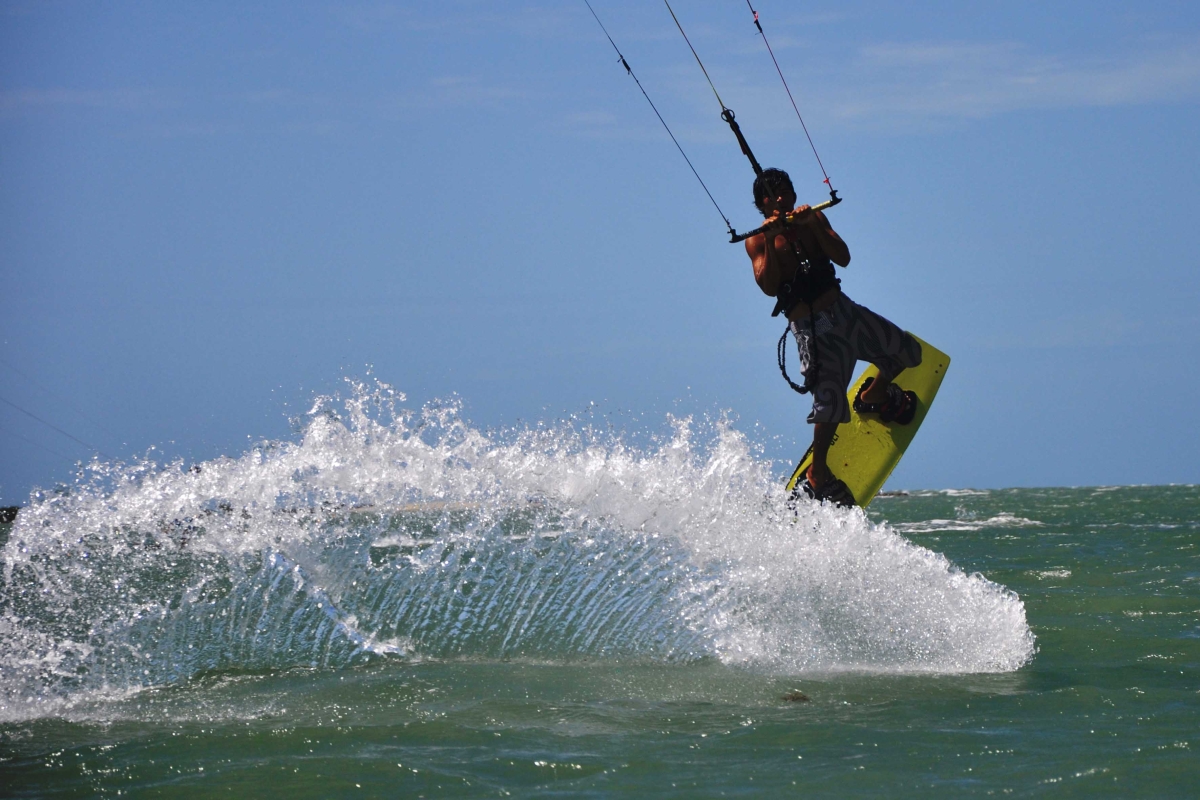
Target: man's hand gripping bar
(833, 200)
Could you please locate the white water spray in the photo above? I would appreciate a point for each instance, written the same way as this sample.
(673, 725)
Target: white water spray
(388, 532)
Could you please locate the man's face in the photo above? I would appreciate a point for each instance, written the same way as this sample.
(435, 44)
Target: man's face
(778, 200)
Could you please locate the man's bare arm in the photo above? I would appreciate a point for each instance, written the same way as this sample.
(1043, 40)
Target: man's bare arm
(762, 254)
(827, 237)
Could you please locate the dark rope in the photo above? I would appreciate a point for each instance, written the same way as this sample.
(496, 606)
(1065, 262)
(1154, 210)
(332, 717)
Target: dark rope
(679, 147)
(781, 358)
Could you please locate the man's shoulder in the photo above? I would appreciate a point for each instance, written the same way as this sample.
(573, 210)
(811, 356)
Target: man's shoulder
(756, 244)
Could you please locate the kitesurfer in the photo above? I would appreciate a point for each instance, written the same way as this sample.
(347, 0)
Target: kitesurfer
(793, 262)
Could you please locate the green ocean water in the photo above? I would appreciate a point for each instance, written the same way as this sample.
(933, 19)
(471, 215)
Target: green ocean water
(1108, 705)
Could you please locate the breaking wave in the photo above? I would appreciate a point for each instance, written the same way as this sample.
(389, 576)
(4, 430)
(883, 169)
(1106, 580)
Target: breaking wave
(967, 521)
(389, 532)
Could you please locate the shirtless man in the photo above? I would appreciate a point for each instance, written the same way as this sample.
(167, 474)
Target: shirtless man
(831, 330)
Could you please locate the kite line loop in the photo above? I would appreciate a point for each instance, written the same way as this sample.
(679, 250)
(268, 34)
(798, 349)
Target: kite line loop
(667, 127)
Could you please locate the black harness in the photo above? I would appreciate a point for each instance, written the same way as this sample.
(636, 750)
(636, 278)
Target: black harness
(814, 277)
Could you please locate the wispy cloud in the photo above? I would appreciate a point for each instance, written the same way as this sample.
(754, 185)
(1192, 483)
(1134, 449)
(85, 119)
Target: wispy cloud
(460, 90)
(1105, 328)
(465, 17)
(201, 129)
(906, 86)
(931, 81)
(20, 99)
(924, 85)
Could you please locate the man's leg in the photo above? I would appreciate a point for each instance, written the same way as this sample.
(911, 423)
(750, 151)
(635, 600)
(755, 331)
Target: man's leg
(885, 345)
(828, 385)
(819, 473)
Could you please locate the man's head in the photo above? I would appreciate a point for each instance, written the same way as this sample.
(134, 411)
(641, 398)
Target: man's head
(770, 184)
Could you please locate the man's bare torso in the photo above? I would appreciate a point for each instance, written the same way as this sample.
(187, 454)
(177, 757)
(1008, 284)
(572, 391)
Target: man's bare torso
(772, 273)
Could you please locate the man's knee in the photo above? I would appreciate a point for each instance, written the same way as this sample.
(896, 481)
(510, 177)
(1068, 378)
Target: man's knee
(911, 351)
(906, 354)
(829, 404)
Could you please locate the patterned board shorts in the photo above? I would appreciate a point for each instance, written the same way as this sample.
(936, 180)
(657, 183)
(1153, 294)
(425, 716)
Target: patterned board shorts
(847, 333)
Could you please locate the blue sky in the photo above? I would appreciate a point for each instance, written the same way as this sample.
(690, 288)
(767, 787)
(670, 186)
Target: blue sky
(209, 214)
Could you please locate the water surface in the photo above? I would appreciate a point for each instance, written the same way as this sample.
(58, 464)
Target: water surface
(396, 604)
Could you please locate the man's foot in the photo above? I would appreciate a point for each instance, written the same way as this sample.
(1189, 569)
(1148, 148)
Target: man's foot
(899, 407)
(831, 489)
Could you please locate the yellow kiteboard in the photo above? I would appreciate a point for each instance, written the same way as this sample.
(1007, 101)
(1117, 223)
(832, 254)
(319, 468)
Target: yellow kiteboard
(865, 450)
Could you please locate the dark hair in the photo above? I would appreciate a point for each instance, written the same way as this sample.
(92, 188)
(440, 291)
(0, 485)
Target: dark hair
(768, 183)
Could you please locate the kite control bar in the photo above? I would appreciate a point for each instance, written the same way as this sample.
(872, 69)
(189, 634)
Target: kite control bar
(833, 200)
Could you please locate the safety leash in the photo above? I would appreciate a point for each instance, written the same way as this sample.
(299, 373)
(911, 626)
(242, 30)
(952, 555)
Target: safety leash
(781, 358)
(810, 377)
